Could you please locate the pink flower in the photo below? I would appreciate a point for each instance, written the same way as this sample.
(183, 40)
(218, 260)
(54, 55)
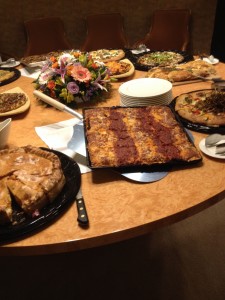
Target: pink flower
(80, 73)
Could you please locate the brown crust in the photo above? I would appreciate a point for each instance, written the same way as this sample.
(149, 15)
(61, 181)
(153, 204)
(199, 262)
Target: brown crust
(100, 55)
(160, 58)
(5, 204)
(183, 72)
(136, 136)
(33, 176)
(39, 57)
(188, 111)
(11, 101)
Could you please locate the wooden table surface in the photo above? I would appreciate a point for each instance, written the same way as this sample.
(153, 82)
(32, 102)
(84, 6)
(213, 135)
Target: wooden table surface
(118, 208)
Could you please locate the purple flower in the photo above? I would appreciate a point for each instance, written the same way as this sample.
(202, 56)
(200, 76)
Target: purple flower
(73, 88)
(61, 71)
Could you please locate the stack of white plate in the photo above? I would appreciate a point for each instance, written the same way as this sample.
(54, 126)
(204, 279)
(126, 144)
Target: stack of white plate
(145, 92)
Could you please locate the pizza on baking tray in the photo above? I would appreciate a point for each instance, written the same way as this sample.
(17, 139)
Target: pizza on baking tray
(160, 58)
(106, 55)
(206, 107)
(136, 136)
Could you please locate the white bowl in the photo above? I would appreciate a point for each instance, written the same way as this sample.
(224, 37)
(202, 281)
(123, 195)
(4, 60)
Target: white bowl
(4, 132)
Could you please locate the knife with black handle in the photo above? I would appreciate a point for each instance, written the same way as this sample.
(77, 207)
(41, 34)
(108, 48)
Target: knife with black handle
(81, 209)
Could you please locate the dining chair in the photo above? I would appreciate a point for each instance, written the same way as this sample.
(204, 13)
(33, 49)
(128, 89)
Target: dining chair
(105, 31)
(45, 35)
(5, 55)
(169, 30)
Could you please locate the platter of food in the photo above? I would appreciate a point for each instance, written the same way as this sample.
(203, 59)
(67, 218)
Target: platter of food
(191, 71)
(38, 60)
(151, 59)
(33, 60)
(56, 171)
(140, 137)
(120, 69)
(106, 55)
(14, 101)
(8, 75)
(201, 110)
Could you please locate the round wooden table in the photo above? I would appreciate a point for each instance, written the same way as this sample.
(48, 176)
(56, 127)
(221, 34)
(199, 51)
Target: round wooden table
(118, 208)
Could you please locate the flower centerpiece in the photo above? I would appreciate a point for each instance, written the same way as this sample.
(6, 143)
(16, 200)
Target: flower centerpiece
(72, 76)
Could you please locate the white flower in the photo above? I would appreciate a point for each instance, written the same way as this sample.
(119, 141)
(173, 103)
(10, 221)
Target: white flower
(66, 58)
(45, 76)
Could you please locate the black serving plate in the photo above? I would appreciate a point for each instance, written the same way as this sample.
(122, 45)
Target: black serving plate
(195, 126)
(16, 75)
(134, 58)
(26, 224)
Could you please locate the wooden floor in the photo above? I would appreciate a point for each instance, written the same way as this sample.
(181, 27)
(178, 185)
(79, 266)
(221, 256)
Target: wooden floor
(184, 261)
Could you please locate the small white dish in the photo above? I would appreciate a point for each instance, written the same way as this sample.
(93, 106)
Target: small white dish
(11, 65)
(4, 132)
(213, 61)
(137, 51)
(210, 151)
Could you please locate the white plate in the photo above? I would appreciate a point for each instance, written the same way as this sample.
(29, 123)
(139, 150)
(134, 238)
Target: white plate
(11, 65)
(145, 87)
(210, 151)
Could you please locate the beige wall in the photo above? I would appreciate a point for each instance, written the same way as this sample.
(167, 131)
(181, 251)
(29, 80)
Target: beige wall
(137, 16)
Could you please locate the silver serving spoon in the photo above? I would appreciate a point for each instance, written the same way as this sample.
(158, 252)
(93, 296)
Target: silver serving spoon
(213, 139)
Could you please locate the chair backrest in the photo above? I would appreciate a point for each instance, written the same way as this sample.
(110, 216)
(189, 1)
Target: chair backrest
(169, 30)
(5, 56)
(45, 35)
(105, 31)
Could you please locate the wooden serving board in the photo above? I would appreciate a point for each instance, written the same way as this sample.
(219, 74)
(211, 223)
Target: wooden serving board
(211, 78)
(127, 74)
(19, 109)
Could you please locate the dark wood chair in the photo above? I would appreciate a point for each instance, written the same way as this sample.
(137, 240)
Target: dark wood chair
(169, 30)
(105, 31)
(45, 35)
(5, 56)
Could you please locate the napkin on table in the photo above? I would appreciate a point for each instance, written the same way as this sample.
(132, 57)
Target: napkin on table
(32, 74)
(57, 135)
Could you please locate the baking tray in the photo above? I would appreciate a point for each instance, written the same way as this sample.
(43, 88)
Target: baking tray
(195, 126)
(134, 58)
(157, 167)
